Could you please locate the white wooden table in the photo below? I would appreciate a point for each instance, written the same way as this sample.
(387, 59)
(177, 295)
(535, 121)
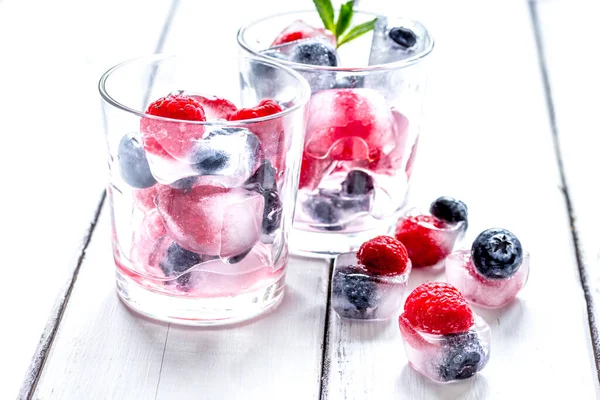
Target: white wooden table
(511, 128)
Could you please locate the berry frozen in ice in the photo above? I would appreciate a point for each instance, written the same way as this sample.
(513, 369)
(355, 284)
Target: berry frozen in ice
(403, 37)
(298, 30)
(273, 211)
(462, 356)
(184, 183)
(349, 82)
(177, 261)
(166, 138)
(144, 198)
(215, 107)
(497, 253)
(449, 209)
(354, 293)
(383, 255)
(314, 52)
(312, 171)
(265, 108)
(438, 308)
(133, 163)
(333, 207)
(357, 182)
(212, 220)
(322, 210)
(264, 178)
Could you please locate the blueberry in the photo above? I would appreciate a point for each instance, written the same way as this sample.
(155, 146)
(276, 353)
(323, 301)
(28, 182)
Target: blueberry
(357, 183)
(497, 253)
(239, 257)
(403, 37)
(185, 184)
(208, 160)
(321, 209)
(449, 210)
(272, 213)
(133, 163)
(349, 82)
(462, 356)
(314, 52)
(263, 178)
(355, 294)
(179, 260)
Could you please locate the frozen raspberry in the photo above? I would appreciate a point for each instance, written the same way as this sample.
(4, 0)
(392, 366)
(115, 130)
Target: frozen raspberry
(301, 30)
(216, 107)
(144, 198)
(419, 236)
(383, 255)
(312, 171)
(438, 308)
(264, 108)
(172, 138)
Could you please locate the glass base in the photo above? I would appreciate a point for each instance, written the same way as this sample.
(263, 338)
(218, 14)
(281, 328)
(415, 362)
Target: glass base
(199, 311)
(328, 244)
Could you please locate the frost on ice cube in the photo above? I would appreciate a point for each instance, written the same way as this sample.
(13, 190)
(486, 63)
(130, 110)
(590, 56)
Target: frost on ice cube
(397, 39)
(212, 220)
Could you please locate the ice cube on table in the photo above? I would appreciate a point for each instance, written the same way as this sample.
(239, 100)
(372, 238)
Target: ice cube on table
(482, 291)
(447, 358)
(397, 39)
(212, 220)
(359, 294)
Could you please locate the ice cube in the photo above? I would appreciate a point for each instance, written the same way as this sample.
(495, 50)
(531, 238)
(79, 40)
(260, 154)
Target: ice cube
(359, 294)
(215, 107)
(212, 220)
(349, 125)
(298, 30)
(144, 198)
(476, 288)
(447, 358)
(397, 39)
(167, 169)
(428, 239)
(145, 240)
(332, 208)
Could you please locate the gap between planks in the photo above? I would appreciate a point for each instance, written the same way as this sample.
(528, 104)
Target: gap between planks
(325, 358)
(533, 9)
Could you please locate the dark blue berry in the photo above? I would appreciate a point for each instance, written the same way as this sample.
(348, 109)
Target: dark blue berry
(272, 213)
(356, 296)
(462, 356)
(450, 210)
(263, 178)
(497, 253)
(357, 183)
(349, 82)
(321, 209)
(314, 52)
(177, 261)
(403, 37)
(133, 163)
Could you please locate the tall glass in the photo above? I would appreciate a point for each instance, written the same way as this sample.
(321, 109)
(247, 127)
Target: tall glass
(362, 131)
(201, 211)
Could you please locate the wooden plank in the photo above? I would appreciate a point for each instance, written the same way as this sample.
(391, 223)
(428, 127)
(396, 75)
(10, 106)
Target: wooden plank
(486, 140)
(574, 84)
(55, 53)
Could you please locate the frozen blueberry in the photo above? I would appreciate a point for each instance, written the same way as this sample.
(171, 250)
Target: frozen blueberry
(497, 253)
(267, 71)
(314, 52)
(463, 356)
(209, 160)
(239, 257)
(449, 209)
(403, 37)
(354, 294)
(349, 82)
(133, 163)
(263, 178)
(357, 182)
(185, 184)
(179, 260)
(321, 209)
(272, 213)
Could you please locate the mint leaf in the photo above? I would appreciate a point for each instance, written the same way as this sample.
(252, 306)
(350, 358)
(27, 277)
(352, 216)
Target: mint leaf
(325, 9)
(357, 31)
(344, 19)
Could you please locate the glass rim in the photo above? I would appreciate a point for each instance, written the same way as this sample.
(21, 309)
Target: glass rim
(304, 67)
(303, 96)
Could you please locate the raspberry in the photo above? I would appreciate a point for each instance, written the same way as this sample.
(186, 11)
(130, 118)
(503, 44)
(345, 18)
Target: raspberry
(424, 248)
(298, 30)
(177, 106)
(216, 107)
(263, 109)
(383, 255)
(438, 308)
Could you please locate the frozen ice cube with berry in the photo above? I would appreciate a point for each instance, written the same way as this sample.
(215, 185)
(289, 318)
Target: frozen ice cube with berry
(369, 284)
(493, 271)
(430, 237)
(395, 39)
(443, 338)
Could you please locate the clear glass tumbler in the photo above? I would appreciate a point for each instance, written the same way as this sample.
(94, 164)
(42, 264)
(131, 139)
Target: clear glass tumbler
(363, 124)
(201, 210)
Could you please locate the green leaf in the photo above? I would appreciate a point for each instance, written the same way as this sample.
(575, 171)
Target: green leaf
(357, 31)
(344, 19)
(325, 9)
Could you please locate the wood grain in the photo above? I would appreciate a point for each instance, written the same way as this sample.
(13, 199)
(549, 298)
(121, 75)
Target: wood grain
(53, 55)
(573, 87)
(486, 140)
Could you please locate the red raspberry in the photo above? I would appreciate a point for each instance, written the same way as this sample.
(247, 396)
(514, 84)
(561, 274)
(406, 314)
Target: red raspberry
(301, 30)
(424, 249)
(383, 255)
(177, 106)
(263, 109)
(438, 308)
(216, 107)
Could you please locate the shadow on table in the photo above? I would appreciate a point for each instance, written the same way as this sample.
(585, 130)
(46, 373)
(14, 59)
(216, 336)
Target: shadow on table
(416, 386)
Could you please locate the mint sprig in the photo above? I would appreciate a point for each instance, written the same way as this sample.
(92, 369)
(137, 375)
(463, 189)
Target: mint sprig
(327, 14)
